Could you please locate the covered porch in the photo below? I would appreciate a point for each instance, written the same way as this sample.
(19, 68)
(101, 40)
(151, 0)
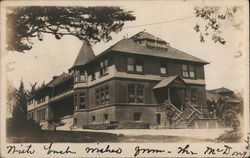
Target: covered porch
(174, 108)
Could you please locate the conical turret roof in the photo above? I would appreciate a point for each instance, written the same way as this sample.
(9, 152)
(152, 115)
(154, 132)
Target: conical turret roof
(85, 55)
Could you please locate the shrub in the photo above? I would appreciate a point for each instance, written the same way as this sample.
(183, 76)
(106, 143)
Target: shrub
(19, 126)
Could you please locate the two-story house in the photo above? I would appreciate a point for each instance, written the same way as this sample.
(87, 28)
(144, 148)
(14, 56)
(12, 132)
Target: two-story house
(139, 82)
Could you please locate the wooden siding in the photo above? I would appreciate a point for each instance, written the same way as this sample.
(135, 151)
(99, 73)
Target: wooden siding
(99, 115)
(121, 90)
(152, 65)
(126, 114)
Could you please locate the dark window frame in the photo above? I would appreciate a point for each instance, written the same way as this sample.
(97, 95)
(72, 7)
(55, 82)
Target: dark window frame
(135, 92)
(93, 118)
(102, 95)
(136, 62)
(137, 116)
(188, 71)
(82, 104)
(164, 65)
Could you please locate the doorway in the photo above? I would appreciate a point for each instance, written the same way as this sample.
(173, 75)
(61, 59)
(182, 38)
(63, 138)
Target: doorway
(177, 97)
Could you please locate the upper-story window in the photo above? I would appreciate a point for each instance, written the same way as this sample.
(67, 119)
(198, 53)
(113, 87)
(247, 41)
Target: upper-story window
(80, 76)
(163, 68)
(134, 65)
(104, 67)
(188, 71)
(135, 93)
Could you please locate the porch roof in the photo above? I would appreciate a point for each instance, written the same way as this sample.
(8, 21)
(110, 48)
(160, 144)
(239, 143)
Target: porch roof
(167, 81)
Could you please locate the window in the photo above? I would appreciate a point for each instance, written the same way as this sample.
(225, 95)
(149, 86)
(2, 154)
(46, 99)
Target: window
(82, 101)
(93, 118)
(188, 71)
(185, 70)
(137, 116)
(41, 114)
(102, 95)
(106, 117)
(134, 65)
(75, 101)
(135, 93)
(80, 76)
(131, 93)
(191, 71)
(163, 68)
(104, 67)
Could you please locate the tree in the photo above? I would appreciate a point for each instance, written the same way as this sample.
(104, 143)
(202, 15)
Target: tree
(20, 106)
(92, 23)
(212, 19)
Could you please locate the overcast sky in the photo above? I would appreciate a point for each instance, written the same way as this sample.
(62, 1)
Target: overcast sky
(175, 21)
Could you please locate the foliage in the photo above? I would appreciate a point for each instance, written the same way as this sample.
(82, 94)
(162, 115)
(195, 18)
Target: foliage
(16, 126)
(211, 24)
(91, 23)
(20, 105)
(230, 136)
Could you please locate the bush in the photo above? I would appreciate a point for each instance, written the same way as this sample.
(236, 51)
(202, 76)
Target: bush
(20, 126)
(230, 136)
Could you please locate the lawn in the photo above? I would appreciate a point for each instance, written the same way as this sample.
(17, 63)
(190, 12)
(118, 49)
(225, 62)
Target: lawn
(91, 137)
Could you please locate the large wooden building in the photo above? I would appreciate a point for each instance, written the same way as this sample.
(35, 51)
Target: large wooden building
(139, 82)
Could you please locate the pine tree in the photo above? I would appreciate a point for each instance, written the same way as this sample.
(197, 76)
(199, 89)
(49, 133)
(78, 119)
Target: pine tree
(20, 107)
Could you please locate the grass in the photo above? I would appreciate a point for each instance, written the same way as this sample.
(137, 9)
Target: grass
(61, 136)
(91, 137)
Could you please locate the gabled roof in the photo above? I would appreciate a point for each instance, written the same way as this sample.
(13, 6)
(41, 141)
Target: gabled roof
(85, 55)
(128, 45)
(220, 90)
(167, 81)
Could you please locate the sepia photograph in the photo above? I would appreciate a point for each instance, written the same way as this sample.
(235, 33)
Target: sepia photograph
(125, 79)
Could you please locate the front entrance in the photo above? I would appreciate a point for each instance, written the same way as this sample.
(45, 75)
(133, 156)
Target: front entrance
(177, 97)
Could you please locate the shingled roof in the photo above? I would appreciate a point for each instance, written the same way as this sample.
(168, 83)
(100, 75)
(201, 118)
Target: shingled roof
(85, 55)
(129, 45)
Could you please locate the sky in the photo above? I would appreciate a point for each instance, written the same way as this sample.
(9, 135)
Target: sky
(172, 21)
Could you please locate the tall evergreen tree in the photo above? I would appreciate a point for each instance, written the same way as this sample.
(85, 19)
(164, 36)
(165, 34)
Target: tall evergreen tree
(20, 107)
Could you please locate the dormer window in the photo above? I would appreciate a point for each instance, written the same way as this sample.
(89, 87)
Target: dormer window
(134, 65)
